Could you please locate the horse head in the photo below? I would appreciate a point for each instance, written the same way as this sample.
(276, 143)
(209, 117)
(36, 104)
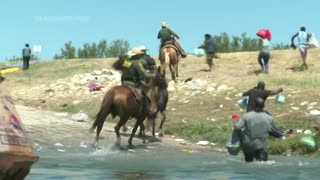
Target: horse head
(151, 88)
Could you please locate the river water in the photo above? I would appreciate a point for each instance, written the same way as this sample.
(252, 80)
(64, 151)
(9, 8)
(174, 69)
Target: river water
(112, 163)
(65, 153)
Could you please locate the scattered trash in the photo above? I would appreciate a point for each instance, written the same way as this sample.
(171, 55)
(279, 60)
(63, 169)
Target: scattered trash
(40, 150)
(188, 79)
(235, 116)
(59, 144)
(179, 140)
(84, 145)
(190, 151)
(203, 143)
(94, 87)
(304, 103)
(307, 132)
(299, 131)
(308, 141)
(80, 116)
(221, 106)
(61, 150)
(61, 114)
(314, 112)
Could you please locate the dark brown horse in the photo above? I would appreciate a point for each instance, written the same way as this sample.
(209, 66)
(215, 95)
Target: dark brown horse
(170, 57)
(162, 101)
(121, 101)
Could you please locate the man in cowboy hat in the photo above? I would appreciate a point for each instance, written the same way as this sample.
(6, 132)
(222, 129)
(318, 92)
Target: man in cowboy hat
(132, 75)
(166, 34)
(146, 60)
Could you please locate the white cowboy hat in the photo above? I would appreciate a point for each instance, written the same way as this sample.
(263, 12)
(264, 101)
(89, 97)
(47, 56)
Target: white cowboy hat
(164, 24)
(134, 52)
(142, 48)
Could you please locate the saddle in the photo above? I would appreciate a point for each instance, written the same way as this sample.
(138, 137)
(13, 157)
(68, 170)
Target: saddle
(135, 89)
(170, 44)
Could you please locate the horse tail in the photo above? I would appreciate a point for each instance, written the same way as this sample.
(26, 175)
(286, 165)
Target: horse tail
(103, 112)
(166, 61)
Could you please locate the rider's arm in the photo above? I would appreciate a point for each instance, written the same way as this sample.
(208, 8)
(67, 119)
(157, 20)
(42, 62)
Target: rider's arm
(142, 72)
(173, 33)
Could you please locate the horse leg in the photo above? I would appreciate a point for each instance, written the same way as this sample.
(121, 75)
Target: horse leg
(142, 130)
(130, 145)
(99, 128)
(153, 126)
(117, 127)
(177, 74)
(173, 73)
(163, 119)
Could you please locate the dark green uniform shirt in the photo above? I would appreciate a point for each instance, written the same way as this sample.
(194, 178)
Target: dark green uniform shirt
(165, 34)
(147, 62)
(134, 71)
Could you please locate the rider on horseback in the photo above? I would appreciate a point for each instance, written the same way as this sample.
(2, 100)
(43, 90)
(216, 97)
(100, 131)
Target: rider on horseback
(146, 60)
(166, 36)
(133, 74)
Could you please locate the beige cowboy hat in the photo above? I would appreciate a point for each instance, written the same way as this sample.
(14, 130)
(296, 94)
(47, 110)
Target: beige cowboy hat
(164, 24)
(134, 51)
(142, 48)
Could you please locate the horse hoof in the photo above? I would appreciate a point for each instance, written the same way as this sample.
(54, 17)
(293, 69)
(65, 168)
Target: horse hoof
(130, 146)
(117, 144)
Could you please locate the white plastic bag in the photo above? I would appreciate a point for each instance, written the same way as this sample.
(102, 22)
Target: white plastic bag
(313, 41)
(80, 116)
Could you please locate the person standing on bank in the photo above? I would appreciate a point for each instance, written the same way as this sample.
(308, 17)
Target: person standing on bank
(259, 92)
(264, 55)
(26, 54)
(303, 38)
(210, 50)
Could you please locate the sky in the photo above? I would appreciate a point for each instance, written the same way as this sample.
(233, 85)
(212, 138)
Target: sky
(50, 24)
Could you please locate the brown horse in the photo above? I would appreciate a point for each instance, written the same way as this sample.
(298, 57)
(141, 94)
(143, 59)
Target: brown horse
(121, 101)
(170, 56)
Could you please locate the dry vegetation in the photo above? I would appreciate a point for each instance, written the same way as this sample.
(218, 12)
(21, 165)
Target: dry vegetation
(200, 117)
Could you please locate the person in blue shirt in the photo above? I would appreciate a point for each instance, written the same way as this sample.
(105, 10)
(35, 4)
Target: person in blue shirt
(209, 48)
(303, 38)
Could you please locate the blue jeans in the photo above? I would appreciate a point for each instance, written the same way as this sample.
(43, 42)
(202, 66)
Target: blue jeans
(265, 57)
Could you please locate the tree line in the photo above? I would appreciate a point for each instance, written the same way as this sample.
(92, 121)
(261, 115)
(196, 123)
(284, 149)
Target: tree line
(225, 43)
(94, 50)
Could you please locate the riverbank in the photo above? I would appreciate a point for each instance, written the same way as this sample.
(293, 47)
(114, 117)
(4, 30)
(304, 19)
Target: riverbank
(57, 132)
(201, 103)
